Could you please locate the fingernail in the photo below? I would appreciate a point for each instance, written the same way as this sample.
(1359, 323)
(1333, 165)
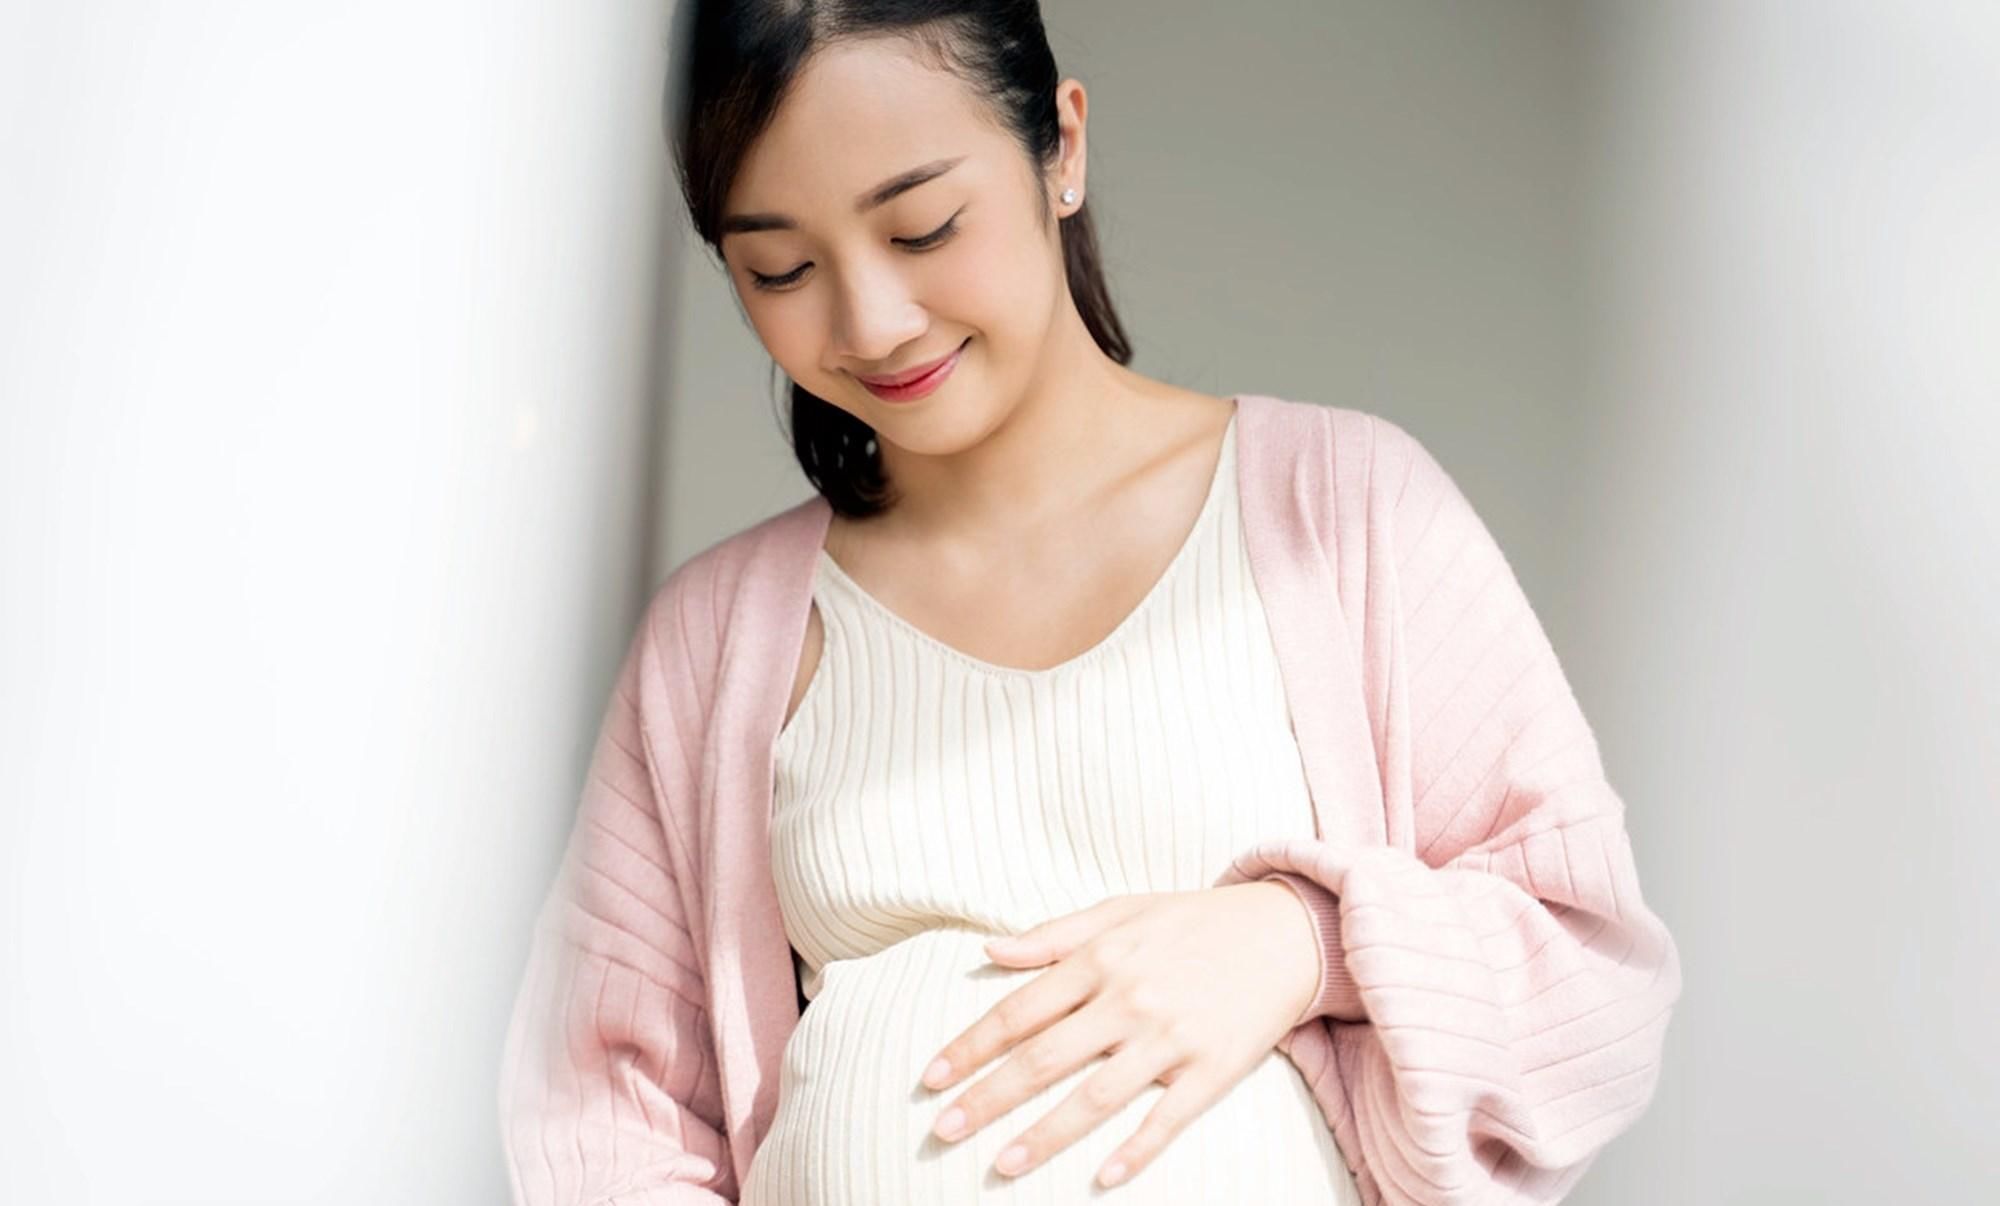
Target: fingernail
(1012, 1159)
(1113, 1173)
(938, 1072)
(951, 1124)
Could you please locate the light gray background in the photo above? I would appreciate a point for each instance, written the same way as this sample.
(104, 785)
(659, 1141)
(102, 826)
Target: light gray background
(1700, 304)
(358, 384)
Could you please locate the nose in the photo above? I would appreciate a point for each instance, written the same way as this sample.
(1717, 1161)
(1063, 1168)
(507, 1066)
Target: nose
(878, 314)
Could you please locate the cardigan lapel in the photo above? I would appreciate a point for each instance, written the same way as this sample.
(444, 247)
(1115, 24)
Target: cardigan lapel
(1286, 464)
(751, 986)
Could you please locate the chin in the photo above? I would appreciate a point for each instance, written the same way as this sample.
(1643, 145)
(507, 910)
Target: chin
(939, 426)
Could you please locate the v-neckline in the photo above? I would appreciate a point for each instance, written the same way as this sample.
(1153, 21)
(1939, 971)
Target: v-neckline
(1226, 458)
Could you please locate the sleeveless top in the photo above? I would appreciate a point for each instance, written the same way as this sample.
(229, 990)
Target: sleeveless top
(925, 801)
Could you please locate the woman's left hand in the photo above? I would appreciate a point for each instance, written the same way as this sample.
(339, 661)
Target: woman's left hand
(1191, 989)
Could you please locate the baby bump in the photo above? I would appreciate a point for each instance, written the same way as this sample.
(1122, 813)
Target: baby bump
(853, 1123)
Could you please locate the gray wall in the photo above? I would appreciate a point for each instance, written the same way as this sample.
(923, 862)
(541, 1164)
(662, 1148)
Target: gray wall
(1698, 303)
(1372, 205)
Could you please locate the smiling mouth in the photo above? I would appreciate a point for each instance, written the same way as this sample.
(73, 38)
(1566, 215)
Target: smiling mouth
(922, 370)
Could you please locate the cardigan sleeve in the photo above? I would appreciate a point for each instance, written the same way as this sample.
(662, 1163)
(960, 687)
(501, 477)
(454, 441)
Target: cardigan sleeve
(609, 1090)
(1514, 987)
(1337, 994)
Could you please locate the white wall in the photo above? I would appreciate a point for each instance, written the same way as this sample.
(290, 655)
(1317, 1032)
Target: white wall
(326, 344)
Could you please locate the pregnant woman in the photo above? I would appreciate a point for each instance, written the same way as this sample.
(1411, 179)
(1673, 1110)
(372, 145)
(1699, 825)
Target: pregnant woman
(1097, 788)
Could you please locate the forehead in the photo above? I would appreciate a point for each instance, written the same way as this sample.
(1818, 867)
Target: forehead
(857, 112)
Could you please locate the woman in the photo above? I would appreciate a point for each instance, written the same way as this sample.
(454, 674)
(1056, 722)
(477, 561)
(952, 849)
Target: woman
(1314, 887)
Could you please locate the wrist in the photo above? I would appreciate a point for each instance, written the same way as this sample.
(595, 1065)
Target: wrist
(1335, 993)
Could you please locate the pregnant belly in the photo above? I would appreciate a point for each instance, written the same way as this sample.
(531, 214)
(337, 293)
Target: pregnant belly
(853, 1123)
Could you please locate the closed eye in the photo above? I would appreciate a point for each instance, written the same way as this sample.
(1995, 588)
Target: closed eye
(934, 239)
(926, 242)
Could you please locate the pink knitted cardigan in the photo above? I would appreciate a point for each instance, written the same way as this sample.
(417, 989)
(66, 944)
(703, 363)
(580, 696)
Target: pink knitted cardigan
(1495, 992)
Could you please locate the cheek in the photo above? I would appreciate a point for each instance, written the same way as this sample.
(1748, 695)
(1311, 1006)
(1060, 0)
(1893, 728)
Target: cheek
(790, 332)
(992, 287)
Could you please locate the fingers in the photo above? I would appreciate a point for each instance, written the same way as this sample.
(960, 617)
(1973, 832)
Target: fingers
(1198, 1087)
(1100, 1095)
(1024, 1012)
(1033, 1066)
(1057, 937)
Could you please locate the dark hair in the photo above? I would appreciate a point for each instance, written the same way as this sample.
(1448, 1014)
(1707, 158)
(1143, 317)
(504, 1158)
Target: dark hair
(740, 57)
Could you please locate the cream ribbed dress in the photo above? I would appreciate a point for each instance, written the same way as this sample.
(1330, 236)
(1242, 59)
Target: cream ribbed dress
(925, 800)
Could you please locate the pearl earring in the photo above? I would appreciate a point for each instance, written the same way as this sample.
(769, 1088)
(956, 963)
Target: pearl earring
(1069, 196)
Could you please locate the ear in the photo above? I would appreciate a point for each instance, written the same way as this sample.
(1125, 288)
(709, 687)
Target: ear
(1070, 94)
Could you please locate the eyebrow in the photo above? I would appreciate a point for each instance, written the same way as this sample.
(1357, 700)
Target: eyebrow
(883, 193)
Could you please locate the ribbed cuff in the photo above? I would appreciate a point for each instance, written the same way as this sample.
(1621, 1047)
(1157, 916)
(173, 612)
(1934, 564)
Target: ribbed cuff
(1337, 995)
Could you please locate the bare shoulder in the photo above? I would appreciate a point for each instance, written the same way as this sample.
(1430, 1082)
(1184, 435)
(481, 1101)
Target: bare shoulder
(1185, 458)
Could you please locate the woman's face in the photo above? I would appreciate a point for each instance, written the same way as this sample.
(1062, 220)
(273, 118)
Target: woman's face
(842, 288)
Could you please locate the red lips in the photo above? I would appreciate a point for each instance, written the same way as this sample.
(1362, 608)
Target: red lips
(914, 383)
(904, 378)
